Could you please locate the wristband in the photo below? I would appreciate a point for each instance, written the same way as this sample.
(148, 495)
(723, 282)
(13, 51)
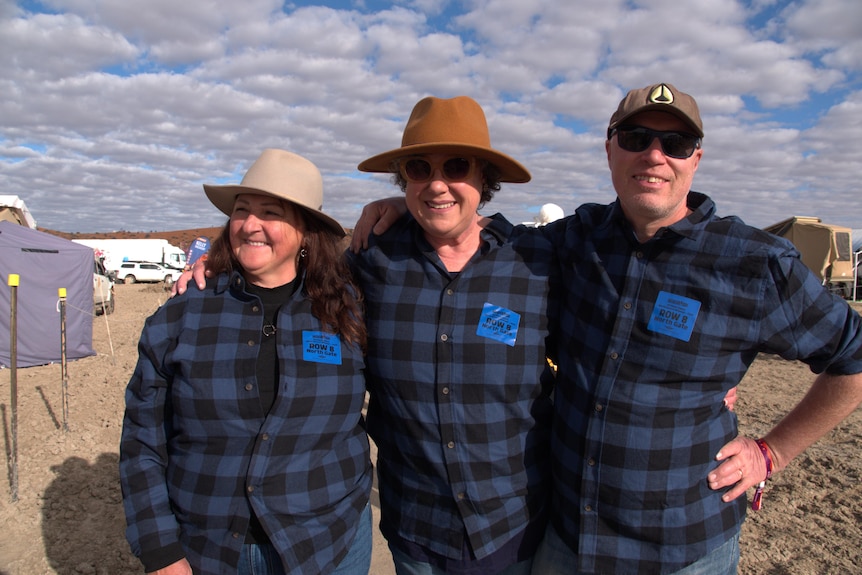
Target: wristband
(757, 502)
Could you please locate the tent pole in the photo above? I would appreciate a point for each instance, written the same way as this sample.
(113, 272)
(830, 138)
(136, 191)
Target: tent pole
(63, 367)
(13, 361)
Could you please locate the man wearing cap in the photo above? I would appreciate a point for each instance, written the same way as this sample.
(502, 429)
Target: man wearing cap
(457, 322)
(666, 306)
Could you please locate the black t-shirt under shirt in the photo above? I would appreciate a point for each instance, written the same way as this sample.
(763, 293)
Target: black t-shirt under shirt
(267, 368)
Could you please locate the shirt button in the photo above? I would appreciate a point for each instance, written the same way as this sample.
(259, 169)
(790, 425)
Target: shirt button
(265, 437)
(235, 535)
(249, 387)
(251, 343)
(444, 337)
(627, 305)
(445, 391)
(450, 445)
(615, 355)
(588, 508)
(639, 254)
(255, 308)
(449, 291)
(591, 462)
(461, 496)
(599, 407)
(250, 488)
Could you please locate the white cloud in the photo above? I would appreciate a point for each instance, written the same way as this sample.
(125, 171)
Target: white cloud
(49, 46)
(112, 118)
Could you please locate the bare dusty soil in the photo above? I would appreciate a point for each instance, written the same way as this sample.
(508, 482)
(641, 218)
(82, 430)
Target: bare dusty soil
(68, 517)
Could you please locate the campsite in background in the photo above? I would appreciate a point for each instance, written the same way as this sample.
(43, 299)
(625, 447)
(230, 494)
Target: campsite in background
(151, 250)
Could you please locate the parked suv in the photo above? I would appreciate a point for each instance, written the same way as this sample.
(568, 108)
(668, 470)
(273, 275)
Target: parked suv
(103, 289)
(131, 272)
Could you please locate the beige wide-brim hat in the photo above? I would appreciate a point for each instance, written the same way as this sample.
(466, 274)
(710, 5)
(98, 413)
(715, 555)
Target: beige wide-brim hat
(283, 175)
(448, 126)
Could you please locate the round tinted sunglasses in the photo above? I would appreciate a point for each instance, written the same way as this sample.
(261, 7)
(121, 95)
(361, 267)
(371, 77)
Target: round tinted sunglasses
(421, 170)
(674, 144)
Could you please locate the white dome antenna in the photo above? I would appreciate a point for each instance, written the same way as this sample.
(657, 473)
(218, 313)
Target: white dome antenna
(549, 213)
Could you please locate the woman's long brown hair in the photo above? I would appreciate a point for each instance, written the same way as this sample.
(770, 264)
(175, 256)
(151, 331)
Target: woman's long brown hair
(336, 299)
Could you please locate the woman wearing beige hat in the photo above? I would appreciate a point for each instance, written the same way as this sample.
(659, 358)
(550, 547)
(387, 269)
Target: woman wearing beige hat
(243, 446)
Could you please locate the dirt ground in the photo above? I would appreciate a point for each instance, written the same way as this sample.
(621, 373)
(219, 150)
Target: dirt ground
(68, 518)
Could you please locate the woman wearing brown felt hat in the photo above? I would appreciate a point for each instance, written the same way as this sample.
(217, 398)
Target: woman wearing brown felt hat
(457, 321)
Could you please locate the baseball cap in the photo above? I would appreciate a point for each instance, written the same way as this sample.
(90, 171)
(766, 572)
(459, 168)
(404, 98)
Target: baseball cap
(661, 97)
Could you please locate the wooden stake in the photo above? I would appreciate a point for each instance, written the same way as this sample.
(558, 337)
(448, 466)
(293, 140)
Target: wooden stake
(63, 366)
(13, 365)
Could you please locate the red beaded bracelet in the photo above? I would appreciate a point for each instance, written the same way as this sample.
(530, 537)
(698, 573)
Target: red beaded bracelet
(757, 502)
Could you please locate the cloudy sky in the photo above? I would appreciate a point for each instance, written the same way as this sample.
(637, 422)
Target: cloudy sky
(114, 112)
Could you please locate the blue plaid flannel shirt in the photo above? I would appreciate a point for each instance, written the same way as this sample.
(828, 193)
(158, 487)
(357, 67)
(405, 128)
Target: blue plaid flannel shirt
(461, 419)
(197, 454)
(652, 337)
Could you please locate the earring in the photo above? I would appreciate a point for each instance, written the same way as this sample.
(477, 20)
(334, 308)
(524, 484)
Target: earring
(303, 253)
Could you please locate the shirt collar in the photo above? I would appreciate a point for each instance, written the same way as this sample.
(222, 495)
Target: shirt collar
(701, 206)
(236, 283)
(498, 230)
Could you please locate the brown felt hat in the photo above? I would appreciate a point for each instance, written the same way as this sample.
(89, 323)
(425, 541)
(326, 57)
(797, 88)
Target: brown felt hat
(661, 97)
(448, 126)
(283, 175)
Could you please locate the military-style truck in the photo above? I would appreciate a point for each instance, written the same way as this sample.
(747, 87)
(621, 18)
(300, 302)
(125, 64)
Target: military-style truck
(826, 249)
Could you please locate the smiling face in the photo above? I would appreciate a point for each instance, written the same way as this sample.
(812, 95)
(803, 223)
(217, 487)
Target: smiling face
(265, 237)
(447, 211)
(652, 187)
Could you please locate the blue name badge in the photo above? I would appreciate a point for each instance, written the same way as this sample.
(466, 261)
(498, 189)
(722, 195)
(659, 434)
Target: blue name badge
(499, 324)
(674, 315)
(321, 347)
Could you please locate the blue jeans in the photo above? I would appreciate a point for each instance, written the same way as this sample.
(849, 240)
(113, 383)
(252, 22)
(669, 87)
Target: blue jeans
(405, 565)
(556, 558)
(262, 559)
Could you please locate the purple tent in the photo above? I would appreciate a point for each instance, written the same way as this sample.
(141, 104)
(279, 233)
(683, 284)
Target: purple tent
(45, 263)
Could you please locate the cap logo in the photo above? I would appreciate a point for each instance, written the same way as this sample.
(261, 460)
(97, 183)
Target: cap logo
(661, 95)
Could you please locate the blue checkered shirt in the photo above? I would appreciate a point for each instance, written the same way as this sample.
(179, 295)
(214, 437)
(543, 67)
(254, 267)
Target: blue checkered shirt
(461, 419)
(198, 455)
(653, 337)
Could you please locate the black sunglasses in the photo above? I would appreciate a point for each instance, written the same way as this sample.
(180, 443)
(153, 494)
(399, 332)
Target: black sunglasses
(674, 144)
(421, 170)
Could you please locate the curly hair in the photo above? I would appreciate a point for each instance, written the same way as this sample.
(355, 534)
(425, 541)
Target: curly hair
(490, 179)
(336, 299)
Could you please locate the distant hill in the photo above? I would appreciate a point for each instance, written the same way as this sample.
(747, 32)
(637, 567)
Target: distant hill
(180, 238)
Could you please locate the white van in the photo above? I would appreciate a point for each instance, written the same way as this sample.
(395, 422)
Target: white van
(103, 289)
(132, 272)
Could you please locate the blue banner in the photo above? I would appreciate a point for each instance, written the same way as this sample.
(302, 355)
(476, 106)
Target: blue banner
(199, 247)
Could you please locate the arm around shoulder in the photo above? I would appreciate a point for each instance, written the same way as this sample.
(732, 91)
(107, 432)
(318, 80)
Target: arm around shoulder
(376, 218)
